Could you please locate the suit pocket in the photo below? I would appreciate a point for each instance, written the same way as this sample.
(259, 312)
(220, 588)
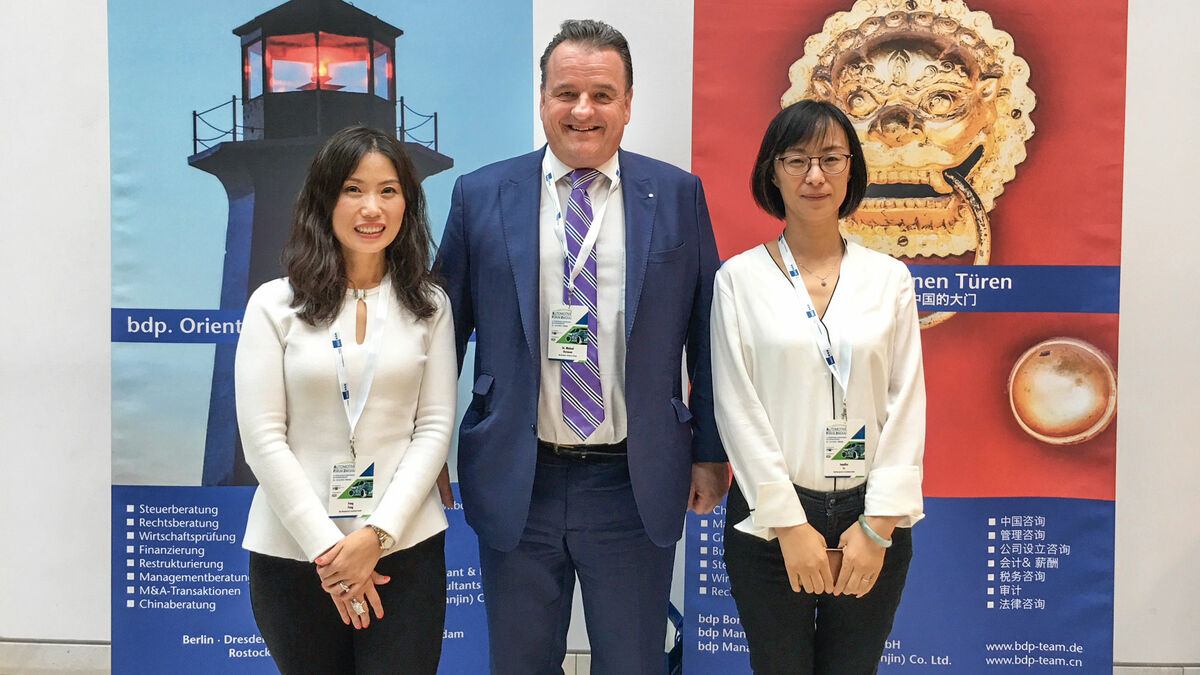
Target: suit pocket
(681, 410)
(480, 396)
(667, 255)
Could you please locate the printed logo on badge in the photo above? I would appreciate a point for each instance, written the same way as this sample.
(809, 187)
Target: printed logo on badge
(352, 488)
(845, 449)
(568, 333)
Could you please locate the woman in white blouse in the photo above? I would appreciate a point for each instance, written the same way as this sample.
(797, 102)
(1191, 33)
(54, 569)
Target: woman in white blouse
(820, 402)
(346, 387)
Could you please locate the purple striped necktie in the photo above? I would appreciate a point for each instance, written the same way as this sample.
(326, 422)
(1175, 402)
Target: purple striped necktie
(582, 402)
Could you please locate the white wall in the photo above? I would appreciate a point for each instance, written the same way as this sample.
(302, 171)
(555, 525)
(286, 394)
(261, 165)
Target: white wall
(54, 358)
(54, 353)
(1158, 499)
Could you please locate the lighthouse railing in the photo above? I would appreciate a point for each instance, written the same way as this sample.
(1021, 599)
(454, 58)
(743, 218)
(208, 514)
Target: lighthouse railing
(404, 131)
(211, 123)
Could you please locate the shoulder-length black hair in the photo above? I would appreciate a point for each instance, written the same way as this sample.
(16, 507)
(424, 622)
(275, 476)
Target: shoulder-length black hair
(799, 123)
(313, 257)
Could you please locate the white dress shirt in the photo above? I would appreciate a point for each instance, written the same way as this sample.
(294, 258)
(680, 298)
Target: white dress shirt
(294, 428)
(774, 393)
(610, 302)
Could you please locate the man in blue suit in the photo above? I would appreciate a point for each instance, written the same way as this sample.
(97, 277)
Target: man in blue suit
(586, 273)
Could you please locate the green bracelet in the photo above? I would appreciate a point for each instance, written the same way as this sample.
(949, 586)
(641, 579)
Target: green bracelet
(886, 543)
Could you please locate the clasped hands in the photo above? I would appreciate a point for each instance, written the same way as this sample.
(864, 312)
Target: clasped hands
(807, 562)
(347, 573)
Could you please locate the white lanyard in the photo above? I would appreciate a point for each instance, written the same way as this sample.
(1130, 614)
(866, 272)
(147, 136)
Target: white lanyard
(840, 372)
(354, 406)
(560, 226)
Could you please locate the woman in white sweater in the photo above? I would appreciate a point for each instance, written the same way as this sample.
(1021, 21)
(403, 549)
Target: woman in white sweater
(820, 402)
(346, 389)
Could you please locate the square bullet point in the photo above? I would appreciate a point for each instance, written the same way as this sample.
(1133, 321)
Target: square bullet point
(703, 577)
(703, 550)
(129, 535)
(991, 535)
(129, 603)
(703, 537)
(991, 563)
(991, 549)
(129, 522)
(991, 604)
(129, 576)
(129, 508)
(991, 521)
(128, 563)
(991, 577)
(704, 523)
(129, 589)
(703, 563)
(703, 590)
(991, 591)
(129, 549)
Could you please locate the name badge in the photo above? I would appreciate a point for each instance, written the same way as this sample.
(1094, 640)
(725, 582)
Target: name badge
(568, 333)
(352, 488)
(845, 449)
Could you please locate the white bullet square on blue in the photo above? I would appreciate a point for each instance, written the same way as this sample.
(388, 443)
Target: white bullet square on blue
(129, 508)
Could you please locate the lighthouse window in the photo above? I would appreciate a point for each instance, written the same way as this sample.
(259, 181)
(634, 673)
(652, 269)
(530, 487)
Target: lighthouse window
(342, 63)
(291, 62)
(383, 70)
(253, 70)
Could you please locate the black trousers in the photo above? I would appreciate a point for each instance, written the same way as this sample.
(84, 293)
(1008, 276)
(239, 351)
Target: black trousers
(802, 633)
(305, 633)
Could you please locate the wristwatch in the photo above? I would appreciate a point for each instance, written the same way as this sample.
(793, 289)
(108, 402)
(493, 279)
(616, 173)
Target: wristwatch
(386, 541)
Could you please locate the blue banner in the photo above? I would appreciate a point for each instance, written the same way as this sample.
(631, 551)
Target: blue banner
(210, 326)
(181, 594)
(1017, 288)
(995, 583)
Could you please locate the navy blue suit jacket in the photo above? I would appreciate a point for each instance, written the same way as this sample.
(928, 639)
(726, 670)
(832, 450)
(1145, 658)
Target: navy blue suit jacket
(489, 259)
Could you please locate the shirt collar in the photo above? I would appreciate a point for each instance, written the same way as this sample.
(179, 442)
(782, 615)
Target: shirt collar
(557, 169)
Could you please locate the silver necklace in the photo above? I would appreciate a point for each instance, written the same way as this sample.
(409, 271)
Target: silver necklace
(818, 276)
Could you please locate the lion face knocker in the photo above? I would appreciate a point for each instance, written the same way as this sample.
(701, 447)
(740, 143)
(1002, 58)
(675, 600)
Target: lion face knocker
(941, 104)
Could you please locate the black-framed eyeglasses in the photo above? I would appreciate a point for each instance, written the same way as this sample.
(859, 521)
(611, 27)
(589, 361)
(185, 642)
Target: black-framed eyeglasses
(831, 163)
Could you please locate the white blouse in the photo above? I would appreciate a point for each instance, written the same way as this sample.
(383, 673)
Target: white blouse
(294, 428)
(774, 393)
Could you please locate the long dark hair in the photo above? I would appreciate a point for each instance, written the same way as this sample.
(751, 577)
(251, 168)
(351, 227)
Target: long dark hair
(313, 256)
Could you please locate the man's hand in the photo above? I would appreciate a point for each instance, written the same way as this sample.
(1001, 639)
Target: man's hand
(443, 484)
(710, 482)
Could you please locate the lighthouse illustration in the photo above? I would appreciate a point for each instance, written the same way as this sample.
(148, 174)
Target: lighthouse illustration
(309, 68)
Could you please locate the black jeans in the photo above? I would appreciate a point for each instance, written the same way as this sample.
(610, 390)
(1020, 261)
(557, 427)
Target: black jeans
(305, 633)
(801, 633)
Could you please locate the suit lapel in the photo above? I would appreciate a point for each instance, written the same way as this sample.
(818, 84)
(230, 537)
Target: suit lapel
(640, 206)
(520, 199)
